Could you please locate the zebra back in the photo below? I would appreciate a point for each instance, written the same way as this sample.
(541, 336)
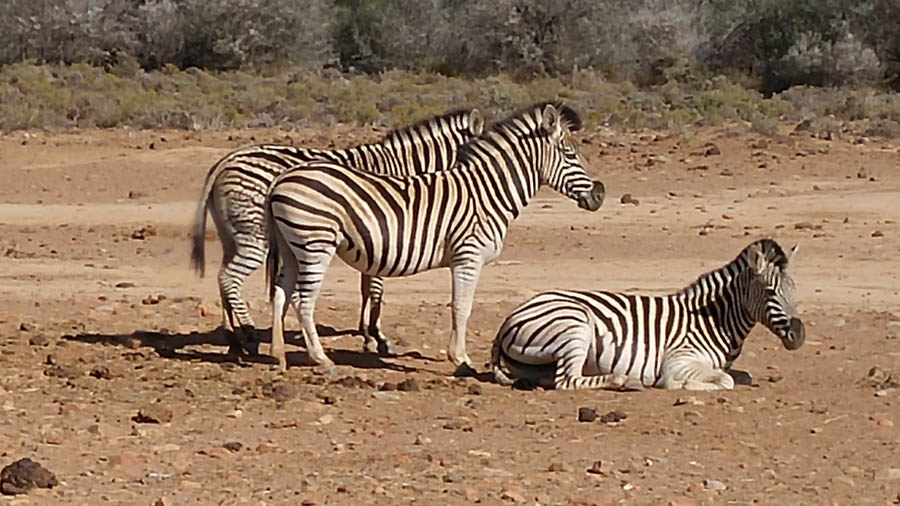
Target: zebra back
(427, 146)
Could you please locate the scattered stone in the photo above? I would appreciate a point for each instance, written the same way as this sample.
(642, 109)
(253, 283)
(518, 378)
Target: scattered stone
(628, 199)
(325, 419)
(475, 389)
(559, 467)
(263, 448)
(388, 387)
(124, 284)
(726, 172)
(877, 233)
(693, 401)
(512, 495)
(24, 475)
(144, 232)
(233, 446)
(279, 392)
(67, 371)
(132, 343)
(880, 379)
(775, 378)
(656, 160)
(613, 417)
(587, 414)
(408, 385)
(683, 501)
(39, 340)
(881, 421)
(153, 413)
(101, 372)
(163, 501)
(597, 468)
(354, 382)
(711, 149)
(421, 440)
(889, 474)
(136, 194)
(713, 485)
(862, 174)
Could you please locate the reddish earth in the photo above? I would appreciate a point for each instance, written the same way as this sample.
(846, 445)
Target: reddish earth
(101, 318)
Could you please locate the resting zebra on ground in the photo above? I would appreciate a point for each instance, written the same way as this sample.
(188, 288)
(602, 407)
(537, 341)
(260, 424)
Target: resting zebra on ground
(689, 339)
(235, 190)
(388, 226)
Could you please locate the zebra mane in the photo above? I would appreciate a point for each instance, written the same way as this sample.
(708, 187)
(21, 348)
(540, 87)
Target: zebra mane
(773, 254)
(443, 118)
(568, 115)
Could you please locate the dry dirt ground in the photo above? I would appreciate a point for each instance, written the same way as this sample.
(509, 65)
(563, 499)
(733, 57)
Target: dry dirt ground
(100, 318)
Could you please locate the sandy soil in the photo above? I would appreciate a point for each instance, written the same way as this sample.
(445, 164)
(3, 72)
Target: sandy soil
(100, 318)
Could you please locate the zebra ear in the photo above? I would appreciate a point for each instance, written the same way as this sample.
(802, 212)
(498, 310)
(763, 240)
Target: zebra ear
(757, 259)
(476, 122)
(792, 252)
(550, 120)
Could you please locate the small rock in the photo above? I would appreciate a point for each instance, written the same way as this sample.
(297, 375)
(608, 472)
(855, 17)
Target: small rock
(683, 501)
(325, 419)
(711, 149)
(144, 232)
(882, 421)
(163, 501)
(39, 340)
(775, 378)
(726, 172)
(587, 414)
(233, 446)
(861, 174)
(153, 413)
(191, 485)
(877, 233)
(388, 387)
(421, 440)
(597, 468)
(309, 502)
(67, 371)
(132, 343)
(512, 495)
(889, 474)
(693, 401)
(408, 385)
(613, 417)
(628, 199)
(559, 467)
(23, 475)
(101, 372)
(136, 194)
(475, 389)
(263, 448)
(279, 392)
(713, 485)
(124, 284)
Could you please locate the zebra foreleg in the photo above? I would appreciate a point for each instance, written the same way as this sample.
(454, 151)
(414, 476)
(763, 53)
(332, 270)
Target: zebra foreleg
(372, 290)
(570, 367)
(693, 374)
(465, 279)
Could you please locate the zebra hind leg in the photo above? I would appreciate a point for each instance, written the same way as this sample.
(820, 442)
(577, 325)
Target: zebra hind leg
(695, 374)
(372, 289)
(313, 259)
(234, 271)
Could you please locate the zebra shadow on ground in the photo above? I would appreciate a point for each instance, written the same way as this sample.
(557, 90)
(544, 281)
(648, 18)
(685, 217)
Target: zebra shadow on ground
(172, 346)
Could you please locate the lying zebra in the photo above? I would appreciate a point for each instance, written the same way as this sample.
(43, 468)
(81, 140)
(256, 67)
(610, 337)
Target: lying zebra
(689, 339)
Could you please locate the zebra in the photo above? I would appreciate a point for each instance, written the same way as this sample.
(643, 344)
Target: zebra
(688, 339)
(234, 193)
(389, 226)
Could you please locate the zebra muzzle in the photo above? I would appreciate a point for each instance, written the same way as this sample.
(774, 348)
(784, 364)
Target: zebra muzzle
(593, 199)
(795, 336)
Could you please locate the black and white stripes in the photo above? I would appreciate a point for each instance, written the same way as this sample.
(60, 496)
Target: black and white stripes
(387, 226)
(581, 339)
(235, 189)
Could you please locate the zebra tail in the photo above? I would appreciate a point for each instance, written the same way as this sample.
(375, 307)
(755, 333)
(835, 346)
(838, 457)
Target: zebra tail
(272, 257)
(198, 233)
(496, 363)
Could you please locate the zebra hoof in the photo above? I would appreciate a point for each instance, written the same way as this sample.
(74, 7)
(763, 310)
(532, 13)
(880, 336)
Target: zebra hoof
(464, 370)
(632, 385)
(386, 349)
(327, 370)
(251, 348)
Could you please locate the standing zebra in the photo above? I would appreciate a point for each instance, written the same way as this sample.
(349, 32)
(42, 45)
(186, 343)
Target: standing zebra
(689, 339)
(389, 226)
(235, 190)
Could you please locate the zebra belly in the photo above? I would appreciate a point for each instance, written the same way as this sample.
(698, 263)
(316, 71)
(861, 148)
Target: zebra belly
(407, 266)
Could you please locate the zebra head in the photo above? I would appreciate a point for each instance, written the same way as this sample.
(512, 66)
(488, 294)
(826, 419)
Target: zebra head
(564, 167)
(771, 292)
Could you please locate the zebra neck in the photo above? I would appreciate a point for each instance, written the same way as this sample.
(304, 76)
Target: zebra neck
(501, 185)
(717, 311)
